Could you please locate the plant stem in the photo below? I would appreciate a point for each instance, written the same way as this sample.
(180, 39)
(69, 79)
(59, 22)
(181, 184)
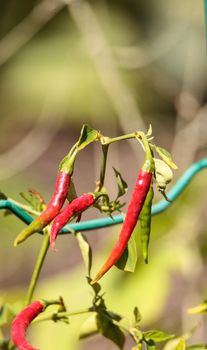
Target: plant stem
(146, 145)
(38, 267)
(108, 140)
(149, 162)
(103, 166)
(63, 314)
(10, 345)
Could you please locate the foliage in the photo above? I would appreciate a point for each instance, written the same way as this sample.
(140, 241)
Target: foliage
(109, 324)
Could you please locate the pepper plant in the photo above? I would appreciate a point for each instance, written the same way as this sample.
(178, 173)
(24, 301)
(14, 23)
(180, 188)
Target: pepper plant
(50, 221)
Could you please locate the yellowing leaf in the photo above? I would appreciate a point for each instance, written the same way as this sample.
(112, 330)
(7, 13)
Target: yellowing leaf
(85, 250)
(166, 157)
(181, 344)
(198, 309)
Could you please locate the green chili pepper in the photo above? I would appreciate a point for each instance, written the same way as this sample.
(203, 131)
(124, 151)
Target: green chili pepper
(145, 223)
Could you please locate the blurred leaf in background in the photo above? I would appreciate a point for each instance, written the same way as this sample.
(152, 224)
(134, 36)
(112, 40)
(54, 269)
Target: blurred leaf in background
(119, 66)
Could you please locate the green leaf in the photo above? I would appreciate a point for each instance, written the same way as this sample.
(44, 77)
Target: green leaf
(199, 308)
(3, 196)
(137, 315)
(3, 315)
(128, 260)
(171, 344)
(150, 345)
(87, 136)
(72, 194)
(34, 199)
(7, 313)
(114, 316)
(109, 330)
(137, 347)
(181, 344)
(86, 251)
(166, 156)
(197, 347)
(89, 327)
(122, 185)
(103, 203)
(157, 336)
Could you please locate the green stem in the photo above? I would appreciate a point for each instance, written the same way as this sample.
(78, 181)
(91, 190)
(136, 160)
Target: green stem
(38, 267)
(52, 302)
(63, 314)
(108, 140)
(149, 162)
(72, 150)
(146, 145)
(103, 166)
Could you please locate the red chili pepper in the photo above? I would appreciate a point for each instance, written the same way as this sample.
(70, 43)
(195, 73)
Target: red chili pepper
(21, 323)
(135, 206)
(77, 206)
(66, 166)
(53, 208)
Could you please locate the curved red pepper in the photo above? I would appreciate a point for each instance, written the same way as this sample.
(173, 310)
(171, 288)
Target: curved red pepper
(21, 323)
(53, 208)
(77, 206)
(135, 206)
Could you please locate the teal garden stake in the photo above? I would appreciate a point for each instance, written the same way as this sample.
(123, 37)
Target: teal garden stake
(157, 208)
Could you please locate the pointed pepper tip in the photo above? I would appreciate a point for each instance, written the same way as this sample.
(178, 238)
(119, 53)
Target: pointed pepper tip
(52, 246)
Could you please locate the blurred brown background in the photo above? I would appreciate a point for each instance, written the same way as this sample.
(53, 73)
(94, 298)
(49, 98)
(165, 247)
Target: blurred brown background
(118, 66)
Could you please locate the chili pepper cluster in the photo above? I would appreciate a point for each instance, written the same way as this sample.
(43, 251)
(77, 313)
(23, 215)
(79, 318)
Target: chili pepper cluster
(139, 208)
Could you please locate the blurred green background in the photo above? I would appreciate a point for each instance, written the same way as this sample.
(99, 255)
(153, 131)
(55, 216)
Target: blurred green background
(117, 65)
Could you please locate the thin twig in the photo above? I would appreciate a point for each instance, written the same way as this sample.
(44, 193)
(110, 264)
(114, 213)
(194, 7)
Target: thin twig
(105, 64)
(27, 208)
(36, 141)
(103, 167)
(190, 138)
(61, 315)
(38, 267)
(138, 57)
(28, 28)
(191, 117)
